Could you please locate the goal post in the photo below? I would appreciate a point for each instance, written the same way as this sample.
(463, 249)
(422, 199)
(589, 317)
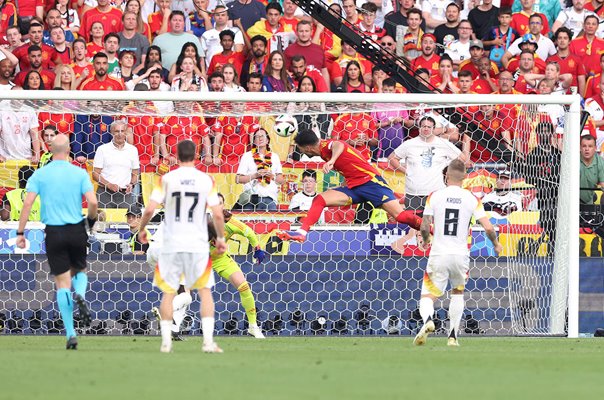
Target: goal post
(347, 263)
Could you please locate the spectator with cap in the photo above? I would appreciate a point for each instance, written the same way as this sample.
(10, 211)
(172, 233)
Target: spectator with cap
(212, 39)
(472, 64)
(133, 218)
(528, 44)
(545, 47)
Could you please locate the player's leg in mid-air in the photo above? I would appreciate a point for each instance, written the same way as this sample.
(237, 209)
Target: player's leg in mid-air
(181, 302)
(376, 191)
(228, 269)
(329, 198)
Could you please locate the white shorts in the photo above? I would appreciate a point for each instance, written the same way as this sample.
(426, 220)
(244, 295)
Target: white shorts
(193, 270)
(444, 269)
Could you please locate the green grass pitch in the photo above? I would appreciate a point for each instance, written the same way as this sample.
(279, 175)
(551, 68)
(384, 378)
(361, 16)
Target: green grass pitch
(301, 368)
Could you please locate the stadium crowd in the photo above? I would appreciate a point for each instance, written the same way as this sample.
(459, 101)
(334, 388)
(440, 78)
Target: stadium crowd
(524, 46)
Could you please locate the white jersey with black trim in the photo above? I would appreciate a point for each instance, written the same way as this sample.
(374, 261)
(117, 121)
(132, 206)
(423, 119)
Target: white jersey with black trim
(452, 209)
(185, 193)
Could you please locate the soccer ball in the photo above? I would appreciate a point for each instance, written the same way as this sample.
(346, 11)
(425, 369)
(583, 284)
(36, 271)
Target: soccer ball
(285, 125)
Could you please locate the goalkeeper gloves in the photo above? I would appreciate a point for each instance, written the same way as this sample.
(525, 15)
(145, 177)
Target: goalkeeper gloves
(259, 255)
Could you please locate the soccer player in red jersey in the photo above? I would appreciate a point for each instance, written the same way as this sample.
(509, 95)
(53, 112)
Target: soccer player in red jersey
(363, 183)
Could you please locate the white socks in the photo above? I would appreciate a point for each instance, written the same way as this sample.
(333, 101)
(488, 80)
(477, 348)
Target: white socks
(179, 305)
(166, 334)
(207, 327)
(426, 308)
(456, 308)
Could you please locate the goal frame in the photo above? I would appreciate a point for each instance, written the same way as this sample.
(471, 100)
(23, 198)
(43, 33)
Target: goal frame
(568, 217)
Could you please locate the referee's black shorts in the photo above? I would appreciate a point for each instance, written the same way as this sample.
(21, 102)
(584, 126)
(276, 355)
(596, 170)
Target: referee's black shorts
(66, 247)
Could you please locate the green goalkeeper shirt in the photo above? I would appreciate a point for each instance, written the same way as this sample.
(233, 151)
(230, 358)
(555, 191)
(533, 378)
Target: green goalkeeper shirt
(235, 227)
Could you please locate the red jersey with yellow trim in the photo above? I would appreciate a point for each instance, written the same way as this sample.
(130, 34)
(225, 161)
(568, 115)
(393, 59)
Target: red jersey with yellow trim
(109, 83)
(431, 64)
(492, 128)
(78, 70)
(218, 60)
(93, 48)
(144, 126)
(468, 65)
(177, 128)
(520, 23)
(155, 21)
(63, 122)
(592, 86)
(350, 126)
(49, 56)
(570, 64)
(355, 168)
(111, 21)
(588, 52)
(235, 133)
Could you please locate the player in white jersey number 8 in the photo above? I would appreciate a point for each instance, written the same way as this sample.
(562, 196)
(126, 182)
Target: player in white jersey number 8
(451, 210)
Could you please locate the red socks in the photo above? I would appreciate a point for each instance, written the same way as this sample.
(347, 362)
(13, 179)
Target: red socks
(409, 218)
(313, 215)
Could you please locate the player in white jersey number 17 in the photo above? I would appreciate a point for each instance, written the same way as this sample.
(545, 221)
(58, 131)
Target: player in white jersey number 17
(450, 210)
(185, 249)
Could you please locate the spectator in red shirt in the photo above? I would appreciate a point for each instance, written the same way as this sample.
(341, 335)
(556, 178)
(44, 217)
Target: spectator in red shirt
(8, 17)
(520, 20)
(313, 53)
(485, 83)
(588, 47)
(494, 127)
(57, 36)
(227, 56)
(299, 69)
(34, 60)
(428, 58)
(187, 123)
(49, 55)
(569, 63)
(95, 37)
(33, 81)
(81, 62)
(526, 66)
(592, 86)
(159, 22)
(358, 129)
(444, 80)
(110, 17)
(101, 80)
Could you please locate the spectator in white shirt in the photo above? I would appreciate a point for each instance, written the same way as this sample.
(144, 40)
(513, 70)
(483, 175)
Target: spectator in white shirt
(116, 169)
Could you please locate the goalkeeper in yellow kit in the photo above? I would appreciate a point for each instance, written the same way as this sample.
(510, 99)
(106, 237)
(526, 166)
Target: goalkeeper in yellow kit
(227, 268)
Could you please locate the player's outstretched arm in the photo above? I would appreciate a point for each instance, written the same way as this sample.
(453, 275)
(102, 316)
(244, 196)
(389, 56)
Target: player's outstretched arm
(491, 234)
(218, 219)
(425, 228)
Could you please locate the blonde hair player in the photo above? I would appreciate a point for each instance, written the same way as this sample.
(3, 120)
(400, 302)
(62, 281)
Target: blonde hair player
(450, 210)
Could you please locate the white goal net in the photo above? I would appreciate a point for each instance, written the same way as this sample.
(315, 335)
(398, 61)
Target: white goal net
(359, 272)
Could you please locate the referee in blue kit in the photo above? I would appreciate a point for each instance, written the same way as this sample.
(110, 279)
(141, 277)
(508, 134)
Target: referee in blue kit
(61, 186)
